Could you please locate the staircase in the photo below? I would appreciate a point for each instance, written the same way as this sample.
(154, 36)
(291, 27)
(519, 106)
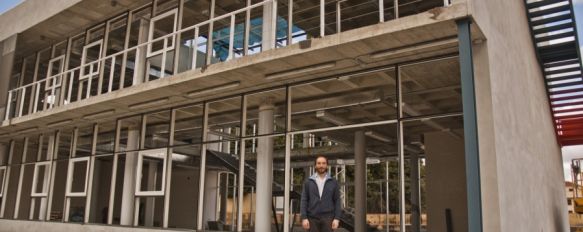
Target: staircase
(554, 34)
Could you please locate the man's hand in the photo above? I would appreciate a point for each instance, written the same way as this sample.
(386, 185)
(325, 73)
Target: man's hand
(306, 224)
(335, 224)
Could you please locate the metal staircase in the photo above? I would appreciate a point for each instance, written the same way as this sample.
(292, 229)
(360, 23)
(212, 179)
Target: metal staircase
(554, 34)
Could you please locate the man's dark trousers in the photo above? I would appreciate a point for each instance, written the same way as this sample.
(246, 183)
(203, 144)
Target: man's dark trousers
(320, 225)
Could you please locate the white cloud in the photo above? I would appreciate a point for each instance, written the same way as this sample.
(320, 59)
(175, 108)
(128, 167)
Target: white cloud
(569, 153)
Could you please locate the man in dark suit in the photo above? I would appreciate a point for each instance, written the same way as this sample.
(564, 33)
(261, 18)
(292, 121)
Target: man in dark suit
(320, 208)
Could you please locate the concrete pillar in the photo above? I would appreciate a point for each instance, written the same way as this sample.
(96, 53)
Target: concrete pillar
(360, 181)
(151, 201)
(264, 168)
(210, 195)
(6, 63)
(129, 180)
(269, 24)
(415, 193)
(140, 71)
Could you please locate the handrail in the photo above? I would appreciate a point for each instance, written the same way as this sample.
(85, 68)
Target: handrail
(58, 89)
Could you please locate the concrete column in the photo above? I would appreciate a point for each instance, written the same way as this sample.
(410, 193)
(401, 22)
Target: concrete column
(129, 180)
(140, 71)
(151, 201)
(360, 181)
(210, 195)
(269, 25)
(6, 63)
(415, 193)
(264, 168)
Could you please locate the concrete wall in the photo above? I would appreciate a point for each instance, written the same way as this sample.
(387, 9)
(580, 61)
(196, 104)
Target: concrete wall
(29, 14)
(446, 181)
(522, 180)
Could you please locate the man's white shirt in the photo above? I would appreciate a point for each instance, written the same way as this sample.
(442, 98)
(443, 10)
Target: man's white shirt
(320, 182)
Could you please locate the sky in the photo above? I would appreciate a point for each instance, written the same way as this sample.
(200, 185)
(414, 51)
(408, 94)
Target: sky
(8, 4)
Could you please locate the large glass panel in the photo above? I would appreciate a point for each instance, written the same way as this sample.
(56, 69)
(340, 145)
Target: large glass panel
(105, 138)
(119, 188)
(129, 136)
(264, 182)
(78, 182)
(431, 87)
(151, 171)
(137, 35)
(11, 191)
(356, 14)
(32, 151)
(435, 173)
(65, 144)
(17, 152)
(224, 119)
(357, 98)
(113, 66)
(84, 141)
(161, 50)
(157, 129)
(188, 125)
(58, 194)
(271, 103)
(75, 55)
(25, 192)
(220, 193)
(77, 210)
(306, 16)
(101, 189)
(184, 187)
(356, 159)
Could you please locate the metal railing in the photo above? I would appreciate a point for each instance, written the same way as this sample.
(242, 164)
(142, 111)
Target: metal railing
(101, 76)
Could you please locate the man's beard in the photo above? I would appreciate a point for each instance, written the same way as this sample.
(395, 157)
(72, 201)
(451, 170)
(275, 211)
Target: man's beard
(321, 170)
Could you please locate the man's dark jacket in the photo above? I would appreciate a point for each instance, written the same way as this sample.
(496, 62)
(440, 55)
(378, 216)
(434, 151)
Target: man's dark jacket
(328, 206)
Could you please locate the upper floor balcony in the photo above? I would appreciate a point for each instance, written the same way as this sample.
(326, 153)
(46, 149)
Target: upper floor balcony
(164, 38)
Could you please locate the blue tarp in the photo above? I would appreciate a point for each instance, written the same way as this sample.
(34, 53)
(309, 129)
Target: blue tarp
(221, 45)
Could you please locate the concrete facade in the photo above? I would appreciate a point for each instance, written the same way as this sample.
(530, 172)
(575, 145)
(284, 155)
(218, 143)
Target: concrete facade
(512, 105)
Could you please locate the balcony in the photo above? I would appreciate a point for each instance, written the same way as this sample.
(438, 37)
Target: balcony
(168, 50)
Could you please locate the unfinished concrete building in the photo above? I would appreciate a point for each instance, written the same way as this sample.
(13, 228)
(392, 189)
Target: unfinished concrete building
(206, 115)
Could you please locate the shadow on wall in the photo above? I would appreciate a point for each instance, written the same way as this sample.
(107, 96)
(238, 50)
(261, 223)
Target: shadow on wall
(558, 220)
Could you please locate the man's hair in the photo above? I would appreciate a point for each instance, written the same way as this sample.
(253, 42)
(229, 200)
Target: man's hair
(320, 156)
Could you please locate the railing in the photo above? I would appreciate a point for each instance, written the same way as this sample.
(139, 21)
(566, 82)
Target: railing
(194, 47)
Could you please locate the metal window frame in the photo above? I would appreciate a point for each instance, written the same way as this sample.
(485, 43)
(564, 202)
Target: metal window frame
(157, 154)
(165, 48)
(70, 171)
(34, 192)
(92, 72)
(3, 180)
(57, 80)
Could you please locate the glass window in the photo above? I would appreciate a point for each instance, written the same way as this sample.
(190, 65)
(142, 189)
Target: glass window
(84, 141)
(188, 125)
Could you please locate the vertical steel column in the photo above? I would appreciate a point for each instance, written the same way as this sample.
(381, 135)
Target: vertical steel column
(242, 164)
(401, 150)
(288, 171)
(360, 186)
(202, 176)
(472, 155)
